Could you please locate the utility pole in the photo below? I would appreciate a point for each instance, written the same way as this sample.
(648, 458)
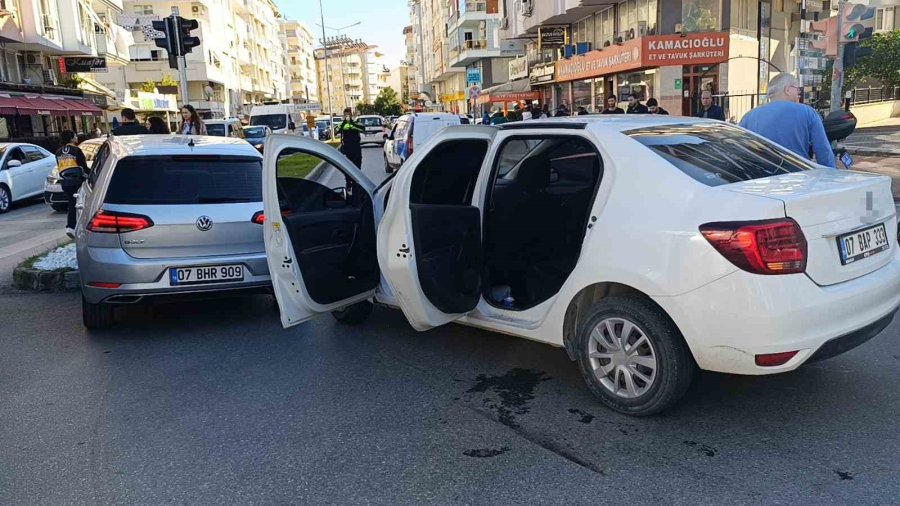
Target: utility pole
(327, 74)
(837, 75)
(182, 62)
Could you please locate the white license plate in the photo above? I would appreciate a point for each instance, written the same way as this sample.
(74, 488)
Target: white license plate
(862, 244)
(205, 274)
(53, 188)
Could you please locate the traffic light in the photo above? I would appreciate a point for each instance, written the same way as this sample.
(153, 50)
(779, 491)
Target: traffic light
(187, 42)
(857, 18)
(828, 29)
(166, 41)
(853, 53)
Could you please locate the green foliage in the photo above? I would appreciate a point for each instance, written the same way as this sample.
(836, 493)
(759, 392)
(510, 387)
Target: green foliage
(168, 80)
(364, 108)
(387, 103)
(883, 64)
(149, 87)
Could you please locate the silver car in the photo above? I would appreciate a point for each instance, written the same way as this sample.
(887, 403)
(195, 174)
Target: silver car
(169, 216)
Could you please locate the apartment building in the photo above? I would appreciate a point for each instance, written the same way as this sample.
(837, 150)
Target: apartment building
(412, 74)
(239, 62)
(579, 52)
(300, 62)
(349, 72)
(38, 94)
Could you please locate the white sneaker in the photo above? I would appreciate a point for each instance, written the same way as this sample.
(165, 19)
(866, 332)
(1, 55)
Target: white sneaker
(70, 232)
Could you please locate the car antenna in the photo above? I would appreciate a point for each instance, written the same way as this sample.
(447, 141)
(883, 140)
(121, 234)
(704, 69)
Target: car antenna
(191, 143)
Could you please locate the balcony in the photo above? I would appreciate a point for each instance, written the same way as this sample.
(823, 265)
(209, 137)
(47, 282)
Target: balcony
(113, 43)
(472, 51)
(477, 11)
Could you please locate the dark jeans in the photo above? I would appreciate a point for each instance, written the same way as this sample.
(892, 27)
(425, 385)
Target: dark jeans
(70, 188)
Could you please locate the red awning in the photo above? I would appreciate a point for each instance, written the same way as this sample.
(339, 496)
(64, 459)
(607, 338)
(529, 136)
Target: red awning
(39, 105)
(82, 107)
(9, 105)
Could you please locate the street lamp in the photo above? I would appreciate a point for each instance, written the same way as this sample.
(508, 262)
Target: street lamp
(340, 51)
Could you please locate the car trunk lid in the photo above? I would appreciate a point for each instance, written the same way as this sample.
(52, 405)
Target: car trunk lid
(828, 204)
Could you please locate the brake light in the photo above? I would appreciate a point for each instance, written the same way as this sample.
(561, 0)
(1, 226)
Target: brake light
(260, 217)
(111, 222)
(409, 144)
(774, 359)
(98, 284)
(761, 247)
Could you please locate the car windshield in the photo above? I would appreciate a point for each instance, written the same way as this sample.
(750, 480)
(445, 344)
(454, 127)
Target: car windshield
(255, 132)
(179, 180)
(718, 154)
(273, 121)
(371, 122)
(217, 130)
(322, 125)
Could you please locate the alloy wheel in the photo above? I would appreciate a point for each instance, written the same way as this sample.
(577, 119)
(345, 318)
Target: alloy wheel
(622, 357)
(4, 199)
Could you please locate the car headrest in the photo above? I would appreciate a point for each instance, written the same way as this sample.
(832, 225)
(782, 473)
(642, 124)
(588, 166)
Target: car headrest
(534, 173)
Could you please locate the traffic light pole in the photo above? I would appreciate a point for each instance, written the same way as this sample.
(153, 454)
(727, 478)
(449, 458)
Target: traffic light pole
(182, 62)
(837, 75)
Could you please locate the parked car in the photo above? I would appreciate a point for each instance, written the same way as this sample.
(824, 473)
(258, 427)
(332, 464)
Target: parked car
(324, 128)
(23, 170)
(256, 136)
(374, 129)
(225, 128)
(646, 246)
(411, 131)
(169, 216)
(53, 193)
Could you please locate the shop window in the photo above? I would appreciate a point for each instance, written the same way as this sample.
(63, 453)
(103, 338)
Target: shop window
(4, 128)
(605, 28)
(745, 15)
(701, 15)
(143, 10)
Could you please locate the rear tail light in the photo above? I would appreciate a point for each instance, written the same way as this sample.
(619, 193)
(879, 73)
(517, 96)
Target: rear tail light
(409, 145)
(774, 359)
(111, 222)
(99, 284)
(260, 217)
(761, 247)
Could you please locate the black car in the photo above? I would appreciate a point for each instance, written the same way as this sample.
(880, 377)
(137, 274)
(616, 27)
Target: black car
(256, 135)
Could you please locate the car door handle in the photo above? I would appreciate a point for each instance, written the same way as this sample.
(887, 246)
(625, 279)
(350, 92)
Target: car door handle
(79, 206)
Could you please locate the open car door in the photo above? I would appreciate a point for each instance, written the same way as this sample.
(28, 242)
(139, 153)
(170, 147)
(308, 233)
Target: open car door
(429, 240)
(319, 228)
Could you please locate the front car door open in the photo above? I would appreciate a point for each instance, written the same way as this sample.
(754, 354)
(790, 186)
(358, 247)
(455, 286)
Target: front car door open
(429, 240)
(319, 228)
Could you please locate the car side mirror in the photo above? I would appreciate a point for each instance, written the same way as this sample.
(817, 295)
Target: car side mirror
(13, 163)
(336, 198)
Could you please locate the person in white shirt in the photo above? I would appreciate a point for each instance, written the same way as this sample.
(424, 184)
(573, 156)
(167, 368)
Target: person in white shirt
(527, 114)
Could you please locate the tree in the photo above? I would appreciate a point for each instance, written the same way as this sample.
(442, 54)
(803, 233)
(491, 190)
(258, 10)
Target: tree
(387, 103)
(364, 108)
(883, 64)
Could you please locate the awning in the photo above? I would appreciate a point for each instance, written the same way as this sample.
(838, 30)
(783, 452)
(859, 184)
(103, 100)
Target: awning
(513, 91)
(82, 107)
(47, 106)
(40, 105)
(9, 105)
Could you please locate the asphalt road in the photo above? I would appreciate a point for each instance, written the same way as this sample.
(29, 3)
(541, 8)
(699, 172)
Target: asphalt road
(29, 228)
(214, 403)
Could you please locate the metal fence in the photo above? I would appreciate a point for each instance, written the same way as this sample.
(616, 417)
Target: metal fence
(871, 95)
(735, 105)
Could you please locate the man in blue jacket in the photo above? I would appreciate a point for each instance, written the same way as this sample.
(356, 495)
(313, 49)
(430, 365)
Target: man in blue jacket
(785, 121)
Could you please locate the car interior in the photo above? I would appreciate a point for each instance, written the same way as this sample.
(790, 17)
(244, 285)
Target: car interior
(534, 222)
(330, 224)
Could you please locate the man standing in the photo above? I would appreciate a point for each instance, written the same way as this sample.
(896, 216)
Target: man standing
(526, 114)
(635, 106)
(611, 107)
(654, 108)
(785, 121)
(708, 109)
(130, 126)
(351, 144)
(72, 167)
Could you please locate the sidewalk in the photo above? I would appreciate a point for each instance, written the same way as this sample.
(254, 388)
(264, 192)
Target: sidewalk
(875, 139)
(885, 165)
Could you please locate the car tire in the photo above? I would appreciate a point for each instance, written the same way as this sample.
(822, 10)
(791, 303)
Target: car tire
(5, 199)
(96, 316)
(355, 313)
(623, 388)
(60, 208)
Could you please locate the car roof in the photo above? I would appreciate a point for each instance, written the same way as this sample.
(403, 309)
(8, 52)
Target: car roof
(370, 116)
(221, 121)
(608, 122)
(149, 145)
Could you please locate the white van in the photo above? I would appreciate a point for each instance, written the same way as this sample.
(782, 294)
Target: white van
(278, 117)
(411, 131)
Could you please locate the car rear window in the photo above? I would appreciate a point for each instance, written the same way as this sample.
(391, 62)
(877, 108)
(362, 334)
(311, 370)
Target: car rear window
(217, 130)
(718, 154)
(148, 180)
(371, 122)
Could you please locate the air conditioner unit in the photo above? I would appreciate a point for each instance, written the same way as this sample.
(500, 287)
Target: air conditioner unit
(32, 59)
(48, 77)
(526, 7)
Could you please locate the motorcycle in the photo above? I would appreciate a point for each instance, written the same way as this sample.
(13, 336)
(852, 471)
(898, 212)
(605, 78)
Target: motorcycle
(838, 126)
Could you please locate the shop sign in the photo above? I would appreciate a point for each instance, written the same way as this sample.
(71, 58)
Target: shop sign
(693, 49)
(552, 36)
(514, 47)
(518, 69)
(473, 76)
(72, 64)
(610, 60)
(678, 84)
(649, 51)
(508, 96)
(542, 74)
(155, 102)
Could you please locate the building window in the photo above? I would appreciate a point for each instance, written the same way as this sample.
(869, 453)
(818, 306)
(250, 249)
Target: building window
(143, 10)
(701, 15)
(605, 28)
(745, 16)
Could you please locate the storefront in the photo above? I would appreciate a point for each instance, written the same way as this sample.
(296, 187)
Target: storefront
(650, 66)
(26, 116)
(541, 78)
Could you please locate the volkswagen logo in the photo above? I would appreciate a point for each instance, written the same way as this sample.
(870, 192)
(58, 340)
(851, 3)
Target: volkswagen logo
(204, 223)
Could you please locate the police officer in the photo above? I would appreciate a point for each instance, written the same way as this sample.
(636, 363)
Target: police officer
(72, 167)
(350, 138)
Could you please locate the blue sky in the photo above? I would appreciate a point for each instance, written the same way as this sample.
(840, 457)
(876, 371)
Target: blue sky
(382, 21)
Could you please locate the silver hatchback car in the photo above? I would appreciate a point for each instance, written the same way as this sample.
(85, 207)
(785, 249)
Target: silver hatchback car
(169, 215)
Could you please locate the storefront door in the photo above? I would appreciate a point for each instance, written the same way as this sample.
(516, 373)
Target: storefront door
(697, 78)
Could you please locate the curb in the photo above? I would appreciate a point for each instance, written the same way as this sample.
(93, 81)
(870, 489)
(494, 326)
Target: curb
(861, 151)
(38, 280)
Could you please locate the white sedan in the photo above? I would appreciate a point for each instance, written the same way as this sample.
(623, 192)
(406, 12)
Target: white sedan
(646, 246)
(23, 169)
